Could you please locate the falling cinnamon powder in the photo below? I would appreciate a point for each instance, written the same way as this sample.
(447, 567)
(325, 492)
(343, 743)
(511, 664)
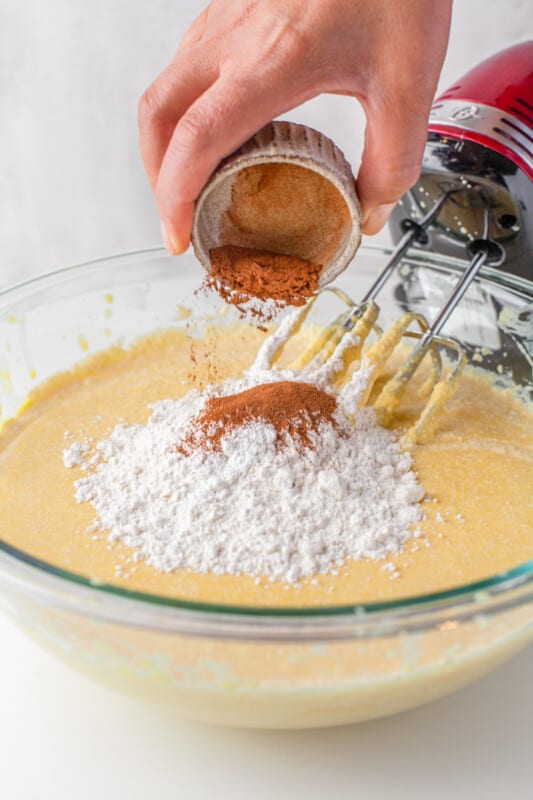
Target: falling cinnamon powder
(293, 408)
(244, 274)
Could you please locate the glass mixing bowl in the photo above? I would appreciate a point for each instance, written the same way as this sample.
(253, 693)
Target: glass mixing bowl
(283, 668)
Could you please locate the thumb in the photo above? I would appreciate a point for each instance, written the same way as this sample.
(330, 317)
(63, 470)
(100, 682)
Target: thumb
(395, 137)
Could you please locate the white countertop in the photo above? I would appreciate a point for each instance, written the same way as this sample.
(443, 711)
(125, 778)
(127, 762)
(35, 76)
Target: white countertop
(64, 738)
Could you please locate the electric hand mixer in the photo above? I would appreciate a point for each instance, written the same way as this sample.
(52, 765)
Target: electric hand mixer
(474, 199)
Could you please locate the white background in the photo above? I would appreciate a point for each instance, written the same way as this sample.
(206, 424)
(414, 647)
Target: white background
(71, 73)
(72, 188)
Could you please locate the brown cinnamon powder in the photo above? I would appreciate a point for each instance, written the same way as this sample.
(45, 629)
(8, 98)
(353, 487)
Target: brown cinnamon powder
(241, 274)
(293, 408)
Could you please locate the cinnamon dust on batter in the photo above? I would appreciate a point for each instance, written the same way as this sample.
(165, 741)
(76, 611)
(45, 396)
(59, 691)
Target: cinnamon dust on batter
(293, 408)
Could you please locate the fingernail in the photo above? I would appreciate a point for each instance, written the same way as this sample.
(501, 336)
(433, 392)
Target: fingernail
(171, 242)
(377, 218)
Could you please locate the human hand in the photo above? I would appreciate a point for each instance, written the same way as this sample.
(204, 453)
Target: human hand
(244, 62)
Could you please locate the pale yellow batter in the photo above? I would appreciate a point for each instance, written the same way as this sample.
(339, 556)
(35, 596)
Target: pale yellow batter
(477, 469)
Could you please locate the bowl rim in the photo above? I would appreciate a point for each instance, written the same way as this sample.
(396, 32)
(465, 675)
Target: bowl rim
(493, 590)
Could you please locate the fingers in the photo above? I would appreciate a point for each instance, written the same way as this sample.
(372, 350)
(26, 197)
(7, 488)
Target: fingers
(224, 117)
(395, 137)
(165, 102)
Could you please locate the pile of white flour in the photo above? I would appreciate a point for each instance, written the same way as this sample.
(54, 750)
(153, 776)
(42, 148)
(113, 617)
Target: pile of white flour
(252, 508)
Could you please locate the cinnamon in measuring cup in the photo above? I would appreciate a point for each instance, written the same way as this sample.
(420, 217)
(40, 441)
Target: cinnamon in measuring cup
(260, 282)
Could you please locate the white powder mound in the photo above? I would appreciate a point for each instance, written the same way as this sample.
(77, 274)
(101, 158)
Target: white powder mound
(252, 508)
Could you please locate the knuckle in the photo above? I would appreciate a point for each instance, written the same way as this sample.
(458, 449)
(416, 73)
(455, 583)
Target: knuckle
(400, 177)
(193, 130)
(149, 106)
(408, 174)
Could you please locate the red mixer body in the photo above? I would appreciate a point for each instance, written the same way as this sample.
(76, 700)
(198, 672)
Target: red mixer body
(503, 83)
(479, 155)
